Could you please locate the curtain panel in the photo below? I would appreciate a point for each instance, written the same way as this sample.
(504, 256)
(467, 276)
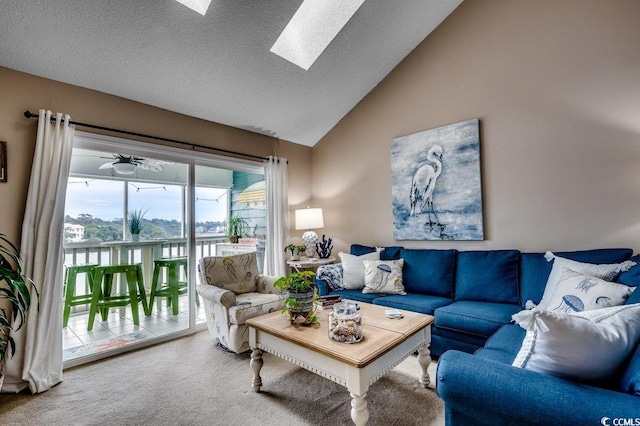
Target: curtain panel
(38, 360)
(276, 180)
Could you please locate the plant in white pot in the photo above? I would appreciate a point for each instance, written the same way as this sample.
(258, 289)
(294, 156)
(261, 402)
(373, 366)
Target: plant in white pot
(15, 298)
(296, 250)
(135, 223)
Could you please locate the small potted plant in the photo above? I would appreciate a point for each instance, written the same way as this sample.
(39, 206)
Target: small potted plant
(14, 295)
(296, 250)
(236, 228)
(135, 223)
(301, 297)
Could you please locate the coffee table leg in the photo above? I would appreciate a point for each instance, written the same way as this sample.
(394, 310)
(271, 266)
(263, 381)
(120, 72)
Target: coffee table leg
(359, 410)
(256, 365)
(424, 359)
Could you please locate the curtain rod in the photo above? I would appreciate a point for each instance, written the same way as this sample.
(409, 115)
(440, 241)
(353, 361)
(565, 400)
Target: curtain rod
(29, 114)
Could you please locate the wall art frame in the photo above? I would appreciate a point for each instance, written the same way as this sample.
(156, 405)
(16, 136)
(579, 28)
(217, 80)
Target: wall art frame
(436, 184)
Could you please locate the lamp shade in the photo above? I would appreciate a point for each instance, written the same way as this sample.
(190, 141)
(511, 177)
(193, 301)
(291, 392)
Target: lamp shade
(309, 219)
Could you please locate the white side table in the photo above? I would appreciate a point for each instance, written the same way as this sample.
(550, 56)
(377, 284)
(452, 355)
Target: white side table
(309, 263)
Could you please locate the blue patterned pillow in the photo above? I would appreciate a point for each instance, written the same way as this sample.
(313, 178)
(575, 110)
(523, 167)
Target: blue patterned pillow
(332, 275)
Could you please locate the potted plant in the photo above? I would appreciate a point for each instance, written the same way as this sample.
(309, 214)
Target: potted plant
(15, 298)
(135, 223)
(301, 297)
(296, 250)
(236, 227)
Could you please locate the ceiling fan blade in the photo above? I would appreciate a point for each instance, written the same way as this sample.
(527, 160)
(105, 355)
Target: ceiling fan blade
(146, 166)
(106, 166)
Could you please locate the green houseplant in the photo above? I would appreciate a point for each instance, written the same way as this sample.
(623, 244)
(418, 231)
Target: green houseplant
(301, 297)
(15, 298)
(296, 250)
(236, 228)
(135, 223)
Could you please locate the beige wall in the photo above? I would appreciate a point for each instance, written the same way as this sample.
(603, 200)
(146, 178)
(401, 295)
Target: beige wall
(556, 86)
(21, 92)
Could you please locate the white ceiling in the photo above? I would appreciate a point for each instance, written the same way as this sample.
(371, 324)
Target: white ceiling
(217, 67)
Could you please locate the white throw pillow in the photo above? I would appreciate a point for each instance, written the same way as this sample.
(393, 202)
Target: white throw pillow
(577, 292)
(603, 271)
(353, 269)
(589, 345)
(383, 276)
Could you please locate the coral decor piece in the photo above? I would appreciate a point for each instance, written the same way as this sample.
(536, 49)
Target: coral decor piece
(324, 248)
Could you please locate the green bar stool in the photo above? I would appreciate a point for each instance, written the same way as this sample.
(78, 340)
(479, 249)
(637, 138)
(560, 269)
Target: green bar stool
(172, 288)
(102, 299)
(70, 297)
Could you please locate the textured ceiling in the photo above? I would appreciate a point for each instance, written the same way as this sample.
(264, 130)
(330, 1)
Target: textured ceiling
(217, 67)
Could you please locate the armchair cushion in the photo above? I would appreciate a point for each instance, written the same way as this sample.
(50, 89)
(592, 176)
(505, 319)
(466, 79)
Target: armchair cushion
(237, 273)
(251, 305)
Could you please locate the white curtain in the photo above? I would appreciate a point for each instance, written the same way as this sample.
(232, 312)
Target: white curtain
(38, 359)
(276, 180)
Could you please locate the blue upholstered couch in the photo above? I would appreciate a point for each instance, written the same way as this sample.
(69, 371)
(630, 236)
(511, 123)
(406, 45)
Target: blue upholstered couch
(472, 295)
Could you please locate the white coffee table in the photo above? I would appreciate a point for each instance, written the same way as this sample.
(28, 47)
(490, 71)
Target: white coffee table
(387, 342)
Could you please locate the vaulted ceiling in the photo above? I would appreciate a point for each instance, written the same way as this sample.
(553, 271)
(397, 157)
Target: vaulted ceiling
(217, 67)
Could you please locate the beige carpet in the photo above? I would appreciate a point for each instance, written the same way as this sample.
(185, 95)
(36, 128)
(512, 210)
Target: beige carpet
(190, 381)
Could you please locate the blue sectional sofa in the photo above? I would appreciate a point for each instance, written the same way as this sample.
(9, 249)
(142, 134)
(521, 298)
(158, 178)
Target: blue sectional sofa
(472, 295)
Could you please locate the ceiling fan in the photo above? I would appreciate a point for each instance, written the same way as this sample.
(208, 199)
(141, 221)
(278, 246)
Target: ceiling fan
(127, 164)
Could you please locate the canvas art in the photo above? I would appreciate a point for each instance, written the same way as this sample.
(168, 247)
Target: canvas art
(436, 188)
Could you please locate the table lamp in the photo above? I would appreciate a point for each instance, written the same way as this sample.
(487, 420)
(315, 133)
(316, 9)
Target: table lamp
(309, 219)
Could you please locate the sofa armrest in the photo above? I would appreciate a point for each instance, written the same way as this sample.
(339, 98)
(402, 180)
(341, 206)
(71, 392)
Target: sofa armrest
(218, 295)
(265, 284)
(499, 394)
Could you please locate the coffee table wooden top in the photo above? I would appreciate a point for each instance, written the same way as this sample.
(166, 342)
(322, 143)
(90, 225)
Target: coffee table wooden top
(381, 334)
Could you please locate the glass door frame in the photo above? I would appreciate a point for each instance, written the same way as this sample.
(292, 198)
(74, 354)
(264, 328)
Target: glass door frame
(191, 158)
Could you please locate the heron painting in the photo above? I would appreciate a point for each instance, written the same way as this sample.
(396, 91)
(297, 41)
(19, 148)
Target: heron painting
(436, 189)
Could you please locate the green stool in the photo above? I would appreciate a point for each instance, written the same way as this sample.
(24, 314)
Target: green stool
(70, 298)
(173, 287)
(102, 299)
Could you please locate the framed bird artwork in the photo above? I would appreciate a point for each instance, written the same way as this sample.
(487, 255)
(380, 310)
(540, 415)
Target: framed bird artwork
(436, 186)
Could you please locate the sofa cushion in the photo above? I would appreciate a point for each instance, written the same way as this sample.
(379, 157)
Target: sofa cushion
(577, 292)
(630, 381)
(353, 269)
(508, 339)
(387, 253)
(497, 355)
(422, 303)
(478, 318)
(535, 270)
(605, 271)
(383, 276)
(632, 279)
(588, 346)
(487, 276)
(356, 295)
(429, 271)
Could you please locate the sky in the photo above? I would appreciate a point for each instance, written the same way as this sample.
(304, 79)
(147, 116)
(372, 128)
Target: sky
(104, 199)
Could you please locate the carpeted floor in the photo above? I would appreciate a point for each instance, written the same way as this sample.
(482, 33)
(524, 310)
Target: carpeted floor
(190, 381)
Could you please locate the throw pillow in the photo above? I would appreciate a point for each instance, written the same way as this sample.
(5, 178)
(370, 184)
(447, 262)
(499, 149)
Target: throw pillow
(383, 276)
(353, 269)
(234, 273)
(586, 346)
(577, 292)
(603, 271)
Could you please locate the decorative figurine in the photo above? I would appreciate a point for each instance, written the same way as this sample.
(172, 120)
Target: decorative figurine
(324, 248)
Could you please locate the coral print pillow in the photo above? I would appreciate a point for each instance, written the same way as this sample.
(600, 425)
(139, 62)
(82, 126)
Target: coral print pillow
(577, 292)
(383, 276)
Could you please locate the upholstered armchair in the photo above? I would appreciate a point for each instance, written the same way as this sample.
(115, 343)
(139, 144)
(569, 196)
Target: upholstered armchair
(234, 291)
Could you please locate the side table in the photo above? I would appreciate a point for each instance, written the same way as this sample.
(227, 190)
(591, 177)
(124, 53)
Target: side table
(309, 263)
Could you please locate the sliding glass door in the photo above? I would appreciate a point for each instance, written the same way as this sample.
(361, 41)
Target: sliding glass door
(183, 201)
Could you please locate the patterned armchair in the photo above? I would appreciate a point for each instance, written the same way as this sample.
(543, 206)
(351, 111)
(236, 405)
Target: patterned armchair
(233, 292)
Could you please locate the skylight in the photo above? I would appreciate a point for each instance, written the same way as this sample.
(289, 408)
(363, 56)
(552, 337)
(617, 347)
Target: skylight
(312, 28)
(199, 6)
